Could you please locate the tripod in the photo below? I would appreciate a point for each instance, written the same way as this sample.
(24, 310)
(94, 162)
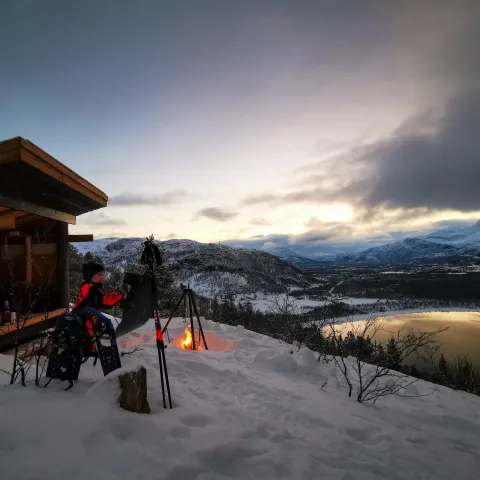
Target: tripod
(150, 255)
(187, 296)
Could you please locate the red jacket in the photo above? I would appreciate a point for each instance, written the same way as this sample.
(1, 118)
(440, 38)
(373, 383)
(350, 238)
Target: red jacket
(92, 295)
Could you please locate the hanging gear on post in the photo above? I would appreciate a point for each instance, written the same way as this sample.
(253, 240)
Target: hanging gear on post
(150, 256)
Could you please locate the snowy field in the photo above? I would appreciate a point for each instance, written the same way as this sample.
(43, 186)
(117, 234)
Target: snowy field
(261, 301)
(245, 409)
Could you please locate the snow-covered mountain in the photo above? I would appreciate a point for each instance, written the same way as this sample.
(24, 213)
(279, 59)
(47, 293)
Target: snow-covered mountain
(413, 250)
(468, 236)
(209, 268)
(289, 254)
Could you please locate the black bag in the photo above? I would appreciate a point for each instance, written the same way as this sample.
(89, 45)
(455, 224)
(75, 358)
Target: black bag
(138, 309)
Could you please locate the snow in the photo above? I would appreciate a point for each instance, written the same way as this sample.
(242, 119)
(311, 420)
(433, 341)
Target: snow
(95, 247)
(247, 409)
(261, 301)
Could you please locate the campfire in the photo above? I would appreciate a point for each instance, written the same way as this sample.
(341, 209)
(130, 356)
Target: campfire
(187, 340)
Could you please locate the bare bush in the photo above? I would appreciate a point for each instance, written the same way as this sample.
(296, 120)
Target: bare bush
(376, 365)
(286, 313)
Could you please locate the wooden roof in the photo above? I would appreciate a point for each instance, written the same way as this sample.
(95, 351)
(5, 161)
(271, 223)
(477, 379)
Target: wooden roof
(33, 181)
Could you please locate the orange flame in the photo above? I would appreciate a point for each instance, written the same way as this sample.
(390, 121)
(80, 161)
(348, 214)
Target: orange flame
(186, 342)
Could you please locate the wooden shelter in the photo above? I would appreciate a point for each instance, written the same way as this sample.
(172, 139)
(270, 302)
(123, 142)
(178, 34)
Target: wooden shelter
(39, 198)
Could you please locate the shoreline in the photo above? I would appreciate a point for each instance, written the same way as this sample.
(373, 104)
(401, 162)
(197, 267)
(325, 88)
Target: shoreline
(410, 311)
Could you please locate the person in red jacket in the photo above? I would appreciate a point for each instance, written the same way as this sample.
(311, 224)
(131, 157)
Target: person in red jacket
(91, 293)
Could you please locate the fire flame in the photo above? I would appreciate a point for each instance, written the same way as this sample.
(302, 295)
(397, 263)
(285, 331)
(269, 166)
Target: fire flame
(187, 340)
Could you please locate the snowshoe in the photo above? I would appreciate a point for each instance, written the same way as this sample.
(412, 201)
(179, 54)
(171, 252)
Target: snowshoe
(106, 343)
(70, 344)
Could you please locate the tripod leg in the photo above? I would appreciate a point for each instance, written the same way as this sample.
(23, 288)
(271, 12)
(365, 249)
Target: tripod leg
(191, 319)
(199, 322)
(185, 309)
(173, 313)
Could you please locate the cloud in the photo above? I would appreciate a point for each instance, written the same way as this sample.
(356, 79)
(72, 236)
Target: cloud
(171, 236)
(217, 214)
(432, 161)
(434, 171)
(259, 222)
(314, 236)
(264, 198)
(142, 199)
(111, 234)
(451, 224)
(100, 219)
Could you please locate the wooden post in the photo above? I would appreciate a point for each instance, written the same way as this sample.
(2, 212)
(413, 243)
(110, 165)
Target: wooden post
(28, 259)
(63, 264)
(133, 391)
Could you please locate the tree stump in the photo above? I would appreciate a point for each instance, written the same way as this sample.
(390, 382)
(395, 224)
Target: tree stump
(133, 391)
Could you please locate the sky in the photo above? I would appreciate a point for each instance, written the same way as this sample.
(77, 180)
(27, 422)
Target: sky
(323, 125)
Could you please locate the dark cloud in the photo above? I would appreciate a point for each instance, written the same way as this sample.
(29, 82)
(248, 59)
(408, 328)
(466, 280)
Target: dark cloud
(217, 214)
(313, 236)
(431, 163)
(100, 219)
(389, 217)
(141, 199)
(434, 171)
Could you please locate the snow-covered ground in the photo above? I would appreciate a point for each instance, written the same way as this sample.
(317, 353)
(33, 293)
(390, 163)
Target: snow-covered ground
(247, 409)
(262, 302)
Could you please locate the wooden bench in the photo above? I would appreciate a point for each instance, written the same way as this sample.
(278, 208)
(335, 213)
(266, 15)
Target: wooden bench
(30, 327)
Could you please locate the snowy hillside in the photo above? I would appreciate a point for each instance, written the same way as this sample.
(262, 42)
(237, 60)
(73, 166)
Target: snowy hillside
(467, 237)
(289, 254)
(209, 268)
(245, 409)
(412, 250)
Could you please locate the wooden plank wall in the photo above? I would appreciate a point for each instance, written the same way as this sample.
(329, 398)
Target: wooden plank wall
(32, 262)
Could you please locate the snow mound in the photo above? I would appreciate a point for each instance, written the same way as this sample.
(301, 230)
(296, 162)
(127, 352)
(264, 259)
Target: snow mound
(258, 409)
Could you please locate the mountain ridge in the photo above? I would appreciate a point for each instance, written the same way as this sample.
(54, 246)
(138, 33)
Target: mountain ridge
(211, 269)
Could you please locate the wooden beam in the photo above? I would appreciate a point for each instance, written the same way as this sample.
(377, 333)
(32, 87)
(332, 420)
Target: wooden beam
(7, 223)
(63, 264)
(64, 171)
(20, 150)
(80, 238)
(10, 150)
(28, 207)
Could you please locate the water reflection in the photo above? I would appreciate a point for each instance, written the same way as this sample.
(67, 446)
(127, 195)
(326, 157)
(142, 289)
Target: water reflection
(463, 336)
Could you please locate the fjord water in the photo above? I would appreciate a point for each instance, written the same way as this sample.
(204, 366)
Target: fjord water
(461, 338)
